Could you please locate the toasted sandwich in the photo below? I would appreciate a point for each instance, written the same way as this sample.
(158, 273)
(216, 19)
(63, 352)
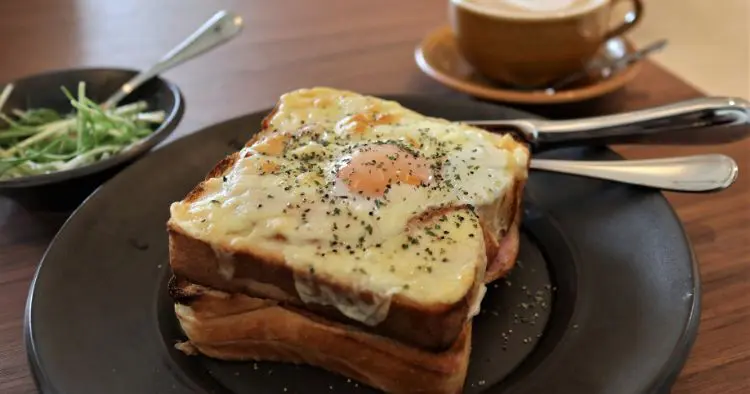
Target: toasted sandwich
(349, 221)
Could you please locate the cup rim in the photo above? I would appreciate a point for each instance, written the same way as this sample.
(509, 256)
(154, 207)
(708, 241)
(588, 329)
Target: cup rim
(530, 17)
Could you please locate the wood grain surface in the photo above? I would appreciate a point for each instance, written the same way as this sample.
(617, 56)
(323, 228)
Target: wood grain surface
(361, 45)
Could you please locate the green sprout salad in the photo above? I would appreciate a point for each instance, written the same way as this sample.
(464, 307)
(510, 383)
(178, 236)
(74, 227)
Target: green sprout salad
(41, 140)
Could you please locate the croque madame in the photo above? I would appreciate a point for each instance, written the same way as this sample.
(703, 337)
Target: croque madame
(350, 218)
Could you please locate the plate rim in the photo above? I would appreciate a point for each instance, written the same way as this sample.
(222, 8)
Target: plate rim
(680, 354)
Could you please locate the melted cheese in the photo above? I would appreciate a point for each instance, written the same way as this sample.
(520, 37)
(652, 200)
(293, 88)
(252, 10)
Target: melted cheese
(283, 195)
(370, 313)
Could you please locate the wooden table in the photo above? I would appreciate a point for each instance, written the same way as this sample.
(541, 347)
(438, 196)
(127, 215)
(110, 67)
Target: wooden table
(360, 45)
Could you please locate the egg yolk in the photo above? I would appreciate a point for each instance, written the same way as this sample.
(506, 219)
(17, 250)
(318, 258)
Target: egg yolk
(373, 168)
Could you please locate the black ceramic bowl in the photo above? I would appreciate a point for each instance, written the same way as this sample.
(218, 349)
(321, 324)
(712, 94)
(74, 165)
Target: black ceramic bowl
(65, 190)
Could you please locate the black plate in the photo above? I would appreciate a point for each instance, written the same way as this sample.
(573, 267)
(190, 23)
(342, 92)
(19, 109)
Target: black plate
(605, 297)
(65, 190)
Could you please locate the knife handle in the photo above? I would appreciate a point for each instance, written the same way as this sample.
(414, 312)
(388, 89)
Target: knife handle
(710, 120)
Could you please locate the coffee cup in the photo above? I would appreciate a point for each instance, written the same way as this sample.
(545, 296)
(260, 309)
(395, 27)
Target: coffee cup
(532, 43)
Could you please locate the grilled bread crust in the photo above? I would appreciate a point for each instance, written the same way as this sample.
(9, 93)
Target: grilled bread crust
(265, 275)
(238, 327)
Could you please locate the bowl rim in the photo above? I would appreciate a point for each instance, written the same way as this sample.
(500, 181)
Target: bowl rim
(170, 123)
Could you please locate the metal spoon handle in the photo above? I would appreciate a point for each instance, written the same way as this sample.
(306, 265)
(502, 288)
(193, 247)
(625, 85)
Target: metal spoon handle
(222, 27)
(701, 173)
(709, 120)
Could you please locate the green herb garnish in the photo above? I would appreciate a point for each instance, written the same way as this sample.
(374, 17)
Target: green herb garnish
(41, 140)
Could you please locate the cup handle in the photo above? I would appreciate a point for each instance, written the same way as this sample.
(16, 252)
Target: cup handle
(628, 24)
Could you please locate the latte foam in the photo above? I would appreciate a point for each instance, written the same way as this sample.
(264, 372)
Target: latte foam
(530, 8)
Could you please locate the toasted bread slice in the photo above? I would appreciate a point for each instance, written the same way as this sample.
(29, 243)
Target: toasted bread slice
(238, 327)
(415, 276)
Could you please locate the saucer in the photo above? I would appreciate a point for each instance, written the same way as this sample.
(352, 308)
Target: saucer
(439, 57)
